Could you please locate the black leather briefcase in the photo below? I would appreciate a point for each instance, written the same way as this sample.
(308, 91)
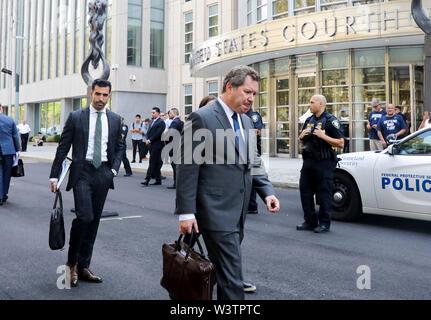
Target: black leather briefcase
(57, 234)
(18, 170)
(187, 275)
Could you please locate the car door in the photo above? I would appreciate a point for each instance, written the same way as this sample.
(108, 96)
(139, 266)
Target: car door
(403, 179)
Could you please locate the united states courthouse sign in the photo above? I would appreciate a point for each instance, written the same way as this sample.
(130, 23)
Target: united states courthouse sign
(377, 21)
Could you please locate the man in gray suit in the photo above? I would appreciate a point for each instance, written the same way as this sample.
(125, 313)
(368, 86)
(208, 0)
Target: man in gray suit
(213, 195)
(9, 146)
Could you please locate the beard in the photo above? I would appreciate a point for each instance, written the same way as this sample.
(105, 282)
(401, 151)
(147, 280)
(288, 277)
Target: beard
(99, 105)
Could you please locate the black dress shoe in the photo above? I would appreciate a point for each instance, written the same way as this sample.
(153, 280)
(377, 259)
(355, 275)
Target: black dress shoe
(127, 174)
(133, 161)
(172, 187)
(5, 198)
(305, 226)
(157, 183)
(249, 287)
(145, 183)
(1, 202)
(252, 212)
(163, 177)
(321, 229)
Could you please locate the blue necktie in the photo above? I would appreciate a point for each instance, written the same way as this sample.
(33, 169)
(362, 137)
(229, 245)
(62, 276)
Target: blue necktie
(238, 136)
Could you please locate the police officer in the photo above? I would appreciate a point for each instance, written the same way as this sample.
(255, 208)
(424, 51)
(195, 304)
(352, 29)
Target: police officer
(126, 163)
(321, 134)
(258, 125)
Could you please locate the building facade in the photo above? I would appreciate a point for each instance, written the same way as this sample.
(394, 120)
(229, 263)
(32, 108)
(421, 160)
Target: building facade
(172, 53)
(350, 51)
(52, 43)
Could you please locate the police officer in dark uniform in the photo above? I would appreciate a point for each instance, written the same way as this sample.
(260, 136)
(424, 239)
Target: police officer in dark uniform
(258, 125)
(126, 163)
(321, 134)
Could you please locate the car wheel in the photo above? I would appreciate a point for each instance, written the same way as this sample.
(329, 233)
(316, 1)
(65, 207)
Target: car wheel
(346, 200)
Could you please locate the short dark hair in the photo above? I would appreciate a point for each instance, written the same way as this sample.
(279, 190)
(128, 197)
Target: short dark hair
(399, 108)
(147, 120)
(102, 84)
(138, 115)
(236, 76)
(207, 99)
(157, 109)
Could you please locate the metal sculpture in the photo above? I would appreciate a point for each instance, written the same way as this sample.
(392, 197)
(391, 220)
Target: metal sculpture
(424, 22)
(97, 12)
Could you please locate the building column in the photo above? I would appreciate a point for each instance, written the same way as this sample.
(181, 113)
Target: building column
(29, 116)
(66, 109)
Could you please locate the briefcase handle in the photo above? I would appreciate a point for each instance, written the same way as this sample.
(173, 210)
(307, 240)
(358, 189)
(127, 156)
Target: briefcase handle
(202, 254)
(58, 197)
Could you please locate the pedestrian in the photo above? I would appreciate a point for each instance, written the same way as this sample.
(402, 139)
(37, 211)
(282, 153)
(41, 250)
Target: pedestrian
(178, 125)
(126, 163)
(207, 100)
(426, 123)
(373, 120)
(258, 125)
(212, 197)
(399, 111)
(137, 137)
(95, 135)
(321, 134)
(144, 139)
(9, 150)
(391, 126)
(24, 132)
(155, 144)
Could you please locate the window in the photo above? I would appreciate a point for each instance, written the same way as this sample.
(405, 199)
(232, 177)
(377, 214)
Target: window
(188, 36)
(304, 6)
(76, 35)
(29, 43)
(188, 99)
(42, 49)
(157, 37)
(86, 28)
(134, 33)
(249, 13)
(57, 57)
(108, 32)
(332, 4)
(419, 145)
(51, 35)
(280, 9)
(36, 41)
(67, 36)
(213, 21)
(262, 10)
(213, 88)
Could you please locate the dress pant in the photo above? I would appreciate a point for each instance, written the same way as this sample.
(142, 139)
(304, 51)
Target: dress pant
(24, 140)
(224, 251)
(154, 169)
(137, 144)
(89, 193)
(126, 163)
(317, 177)
(6, 162)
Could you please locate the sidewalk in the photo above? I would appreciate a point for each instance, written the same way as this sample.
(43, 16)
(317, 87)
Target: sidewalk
(283, 172)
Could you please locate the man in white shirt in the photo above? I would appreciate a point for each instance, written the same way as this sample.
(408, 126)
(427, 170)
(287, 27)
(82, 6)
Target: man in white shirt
(24, 132)
(98, 147)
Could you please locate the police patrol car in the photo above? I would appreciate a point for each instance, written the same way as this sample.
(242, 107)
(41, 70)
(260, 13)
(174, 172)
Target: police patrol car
(394, 182)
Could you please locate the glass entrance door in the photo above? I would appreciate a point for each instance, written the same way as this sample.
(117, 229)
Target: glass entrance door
(306, 88)
(417, 73)
(400, 90)
(282, 116)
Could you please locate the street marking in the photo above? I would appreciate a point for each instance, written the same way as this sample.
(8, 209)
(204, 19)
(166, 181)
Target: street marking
(122, 218)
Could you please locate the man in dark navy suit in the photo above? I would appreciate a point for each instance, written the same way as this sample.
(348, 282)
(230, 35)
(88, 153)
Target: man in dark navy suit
(176, 124)
(155, 143)
(9, 146)
(95, 134)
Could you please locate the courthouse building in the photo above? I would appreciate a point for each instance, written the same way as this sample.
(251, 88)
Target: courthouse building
(178, 50)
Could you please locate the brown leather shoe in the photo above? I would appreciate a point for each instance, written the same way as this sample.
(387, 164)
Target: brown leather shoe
(73, 274)
(85, 274)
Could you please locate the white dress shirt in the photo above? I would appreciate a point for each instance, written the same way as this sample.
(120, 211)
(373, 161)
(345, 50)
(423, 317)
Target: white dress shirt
(92, 131)
(23, 128)
(229, 113)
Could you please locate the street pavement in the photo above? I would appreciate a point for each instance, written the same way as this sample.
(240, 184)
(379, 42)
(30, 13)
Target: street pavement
(282, 262)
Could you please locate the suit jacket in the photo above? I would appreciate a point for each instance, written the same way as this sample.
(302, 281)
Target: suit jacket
(218, 193)
(154, 133)
(9, 141)
(75, 133)
(176, 124)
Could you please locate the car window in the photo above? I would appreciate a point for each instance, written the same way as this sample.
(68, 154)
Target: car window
(419, 145)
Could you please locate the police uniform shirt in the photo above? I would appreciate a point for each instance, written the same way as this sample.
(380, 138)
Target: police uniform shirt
(124, 130)
(391, 125)
(374, 118)
(256, 118)
(326, 122)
